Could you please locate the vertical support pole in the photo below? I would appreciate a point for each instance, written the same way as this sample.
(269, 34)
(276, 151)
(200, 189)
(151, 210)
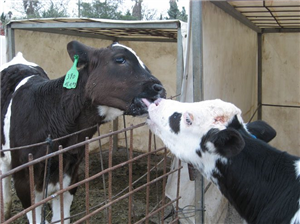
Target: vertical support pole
(110, 178)
(164, 184)
(259, 76)
(10, 42)
(178, 190)
(103, 176)
(31, 185)
(179, 64)
(1, 200)
(115, 137)
(87, 175)
(148, 177)
(61, 185)
(197, 46)
(130, 188)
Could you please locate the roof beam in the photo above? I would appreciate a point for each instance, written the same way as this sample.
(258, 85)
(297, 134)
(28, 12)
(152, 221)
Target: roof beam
(226, 7)
(86, 25)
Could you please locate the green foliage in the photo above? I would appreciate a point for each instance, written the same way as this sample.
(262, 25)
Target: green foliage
(128, 16)
(103, 10)
(54, 12)
(3, 18)
(31, 8)
(175, 13)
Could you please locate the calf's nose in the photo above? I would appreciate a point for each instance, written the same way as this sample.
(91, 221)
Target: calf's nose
(158, 88)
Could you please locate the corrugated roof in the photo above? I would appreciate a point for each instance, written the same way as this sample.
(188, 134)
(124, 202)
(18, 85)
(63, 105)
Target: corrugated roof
(270, 13)
(162, 30)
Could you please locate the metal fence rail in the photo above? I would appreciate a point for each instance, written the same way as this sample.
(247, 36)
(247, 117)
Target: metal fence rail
(135, 193)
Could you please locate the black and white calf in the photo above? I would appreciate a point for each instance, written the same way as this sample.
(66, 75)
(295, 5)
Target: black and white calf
(112, 81)
(261, 182)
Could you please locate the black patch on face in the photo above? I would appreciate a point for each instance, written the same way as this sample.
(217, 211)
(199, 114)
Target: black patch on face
(174, 121)
(198, 151)
(206, 138)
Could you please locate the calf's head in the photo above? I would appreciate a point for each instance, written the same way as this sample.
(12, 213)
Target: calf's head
(197, 133)
(117, 78)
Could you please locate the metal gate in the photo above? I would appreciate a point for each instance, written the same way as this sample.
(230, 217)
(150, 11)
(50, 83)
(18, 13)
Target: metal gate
(115, 186)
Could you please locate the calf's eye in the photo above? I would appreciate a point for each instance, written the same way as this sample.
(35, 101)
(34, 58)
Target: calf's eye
(174, 122)
(120, 60)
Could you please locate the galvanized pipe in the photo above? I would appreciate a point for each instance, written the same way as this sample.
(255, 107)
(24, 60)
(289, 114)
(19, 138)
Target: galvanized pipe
(31, 185)
(87, 186)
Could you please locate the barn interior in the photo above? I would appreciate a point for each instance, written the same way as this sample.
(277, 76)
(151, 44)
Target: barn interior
(244, 52)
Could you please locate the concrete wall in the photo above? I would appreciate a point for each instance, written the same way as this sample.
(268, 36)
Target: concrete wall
(230, 73)
(281, 88)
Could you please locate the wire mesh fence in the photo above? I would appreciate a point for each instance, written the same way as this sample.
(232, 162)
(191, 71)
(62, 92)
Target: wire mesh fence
(115, 185)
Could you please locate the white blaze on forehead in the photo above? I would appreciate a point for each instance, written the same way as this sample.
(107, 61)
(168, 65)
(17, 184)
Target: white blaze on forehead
(132, 51)
(18, 59)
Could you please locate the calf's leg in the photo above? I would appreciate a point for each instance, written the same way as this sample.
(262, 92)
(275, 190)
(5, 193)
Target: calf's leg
(5, 166)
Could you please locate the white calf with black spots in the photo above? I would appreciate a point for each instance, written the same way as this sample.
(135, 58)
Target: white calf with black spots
(260, 181)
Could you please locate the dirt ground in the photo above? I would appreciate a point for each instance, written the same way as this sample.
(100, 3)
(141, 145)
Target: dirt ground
(119, 183)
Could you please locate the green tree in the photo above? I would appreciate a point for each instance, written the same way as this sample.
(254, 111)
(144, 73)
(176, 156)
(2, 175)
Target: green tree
(3, 18)
(53, 12)
(128, 16)
(104, 10)
(175, 13)
(31, 8)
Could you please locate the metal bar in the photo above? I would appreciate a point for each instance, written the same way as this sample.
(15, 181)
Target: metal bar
(23, 212)
(81, 143)
(180, 60)
(163, 189)
(11, 42)
(125, 196)
(97, 25)
(31, 185)
(282, 30)
(87, 175)
(130, 178)
(274, 17)
(197, 43)
(61, 186)
(278, 105)
(125, 135)
(40, 159)
(148, 177)
(1, 199)
(260, 6)
(102, 37)
(259, 75)
(110, 179)
(157, 211)
(102, 168)
(178, 187)
(198, 95)
(175, 220)
(115, 137)
(226, 7)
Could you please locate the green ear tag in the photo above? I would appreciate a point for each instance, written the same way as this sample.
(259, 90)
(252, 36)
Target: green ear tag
(72, 75)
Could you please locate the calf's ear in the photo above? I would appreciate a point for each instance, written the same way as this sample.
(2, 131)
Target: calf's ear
(261, 130)
(228, 142)
(83, 51)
